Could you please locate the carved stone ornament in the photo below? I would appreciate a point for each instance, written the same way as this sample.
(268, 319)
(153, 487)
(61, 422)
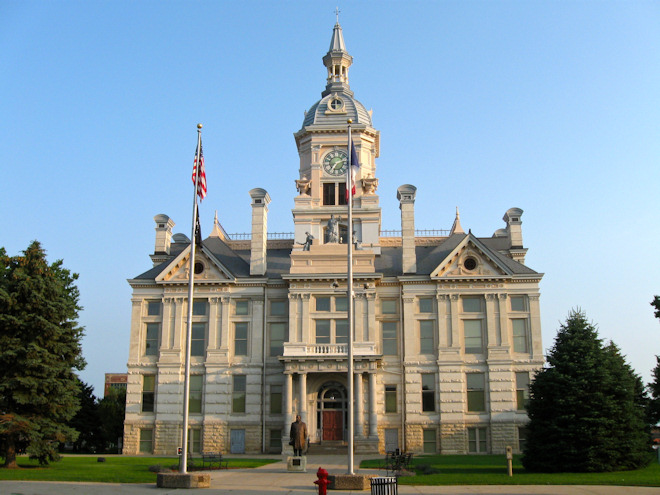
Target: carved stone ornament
(304, 186)
(369, 185)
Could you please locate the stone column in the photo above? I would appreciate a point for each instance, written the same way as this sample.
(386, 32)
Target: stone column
(455, 336)
(306, 331)
(491, 322)
(373, 416)
(214, 341)
(359, 406)
(167, 332)
(535, 327)
(288, 403)
(504, 320)
(179, 323)
(302, 397)
(372, 328)
(223, 335)
(443, 337)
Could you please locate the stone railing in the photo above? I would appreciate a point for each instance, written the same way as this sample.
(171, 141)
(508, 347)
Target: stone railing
(329, 350)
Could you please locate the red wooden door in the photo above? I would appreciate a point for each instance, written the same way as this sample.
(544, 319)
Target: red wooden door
(332, 425)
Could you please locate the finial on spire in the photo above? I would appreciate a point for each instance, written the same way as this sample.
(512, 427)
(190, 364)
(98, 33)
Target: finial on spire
(456, 228)
(337, 11)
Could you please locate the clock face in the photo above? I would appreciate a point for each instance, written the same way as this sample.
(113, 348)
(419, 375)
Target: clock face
(335, 162)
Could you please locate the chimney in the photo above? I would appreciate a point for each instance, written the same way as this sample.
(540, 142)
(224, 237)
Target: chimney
(406, 196)
(260, 200)
(164, 226)
(514, 227)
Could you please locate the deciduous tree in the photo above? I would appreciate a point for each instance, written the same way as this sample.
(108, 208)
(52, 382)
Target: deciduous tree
(586, 407)
(40, 348)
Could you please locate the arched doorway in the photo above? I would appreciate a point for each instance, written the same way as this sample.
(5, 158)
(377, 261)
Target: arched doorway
(331, 411)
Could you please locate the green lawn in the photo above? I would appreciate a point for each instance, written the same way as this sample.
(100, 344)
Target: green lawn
(492, 470)
(117, 469)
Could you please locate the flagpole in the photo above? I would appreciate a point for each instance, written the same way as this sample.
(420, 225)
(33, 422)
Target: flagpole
(349, 243)
(191, 282)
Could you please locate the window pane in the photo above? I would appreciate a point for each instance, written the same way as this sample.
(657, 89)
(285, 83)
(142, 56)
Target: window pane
(277, 338)
(429, 441)
(428, 392)
(275, 399)
(329, 193)
(342, 193)
(341, 331)
(518, 303)
(322, 331)
(519, 335)
(426, 337)
(522, 390)
(341, 304)
(390, 398)
(198, 341)
(148, 395)
(471, 304)
(389, 338)
(388, 306)
(473, 337)
(195, 397)
(238, 395)
(195, 440)
(242, 307)
(475, 381)
(146, 440)
(322, 304)
(153, 308)
(476, 395)
(275, 439)
(151, 341)
(278, 308)
(199, 307)
(240, 339)
(426, 306)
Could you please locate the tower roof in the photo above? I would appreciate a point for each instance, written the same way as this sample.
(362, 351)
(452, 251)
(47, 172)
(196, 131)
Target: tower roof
(337, 103)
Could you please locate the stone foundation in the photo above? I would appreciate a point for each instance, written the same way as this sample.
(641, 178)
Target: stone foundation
(350, 481)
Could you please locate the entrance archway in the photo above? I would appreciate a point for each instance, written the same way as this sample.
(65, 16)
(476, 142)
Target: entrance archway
(332, 411)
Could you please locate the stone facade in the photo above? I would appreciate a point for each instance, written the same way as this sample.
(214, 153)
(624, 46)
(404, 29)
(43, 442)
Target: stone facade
(446, 327)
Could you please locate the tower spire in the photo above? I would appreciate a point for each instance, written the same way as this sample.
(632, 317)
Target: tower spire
(337, 61)
(456, 228)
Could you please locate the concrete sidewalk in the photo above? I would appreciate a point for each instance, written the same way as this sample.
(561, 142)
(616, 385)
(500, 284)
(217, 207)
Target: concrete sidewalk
(275, 479)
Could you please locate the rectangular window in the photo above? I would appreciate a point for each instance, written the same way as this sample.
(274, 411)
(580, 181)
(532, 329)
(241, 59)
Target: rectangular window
(476, 392)
(389, 338)
(329, 193)
(240, 339)
(518, 303)
(390, 398)
(342, 193)
(277, 338)
(519, 335)
(477, 440)
(199, 307)
(474, 342)
(195, 397)
(242, 307)
(522, 438)
(426, 337)
(322, 331)
(388, 306)
(341, 331)
(430, 444)
(322, 304)
(472, 305)
(426, 306)
(198, 340)
(238, 394)
(428, 392)
(275, 443)
(522, 390)
(341, 303)
(146, 440)
(153, 308)
(148, 392)
(151, 340)
(278, 308)
(195, 440)
(276, 399)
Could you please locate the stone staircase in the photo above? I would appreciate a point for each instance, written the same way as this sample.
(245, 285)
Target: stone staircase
(328, 448)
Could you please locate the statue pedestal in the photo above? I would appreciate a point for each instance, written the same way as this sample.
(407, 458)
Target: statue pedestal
(296, 464)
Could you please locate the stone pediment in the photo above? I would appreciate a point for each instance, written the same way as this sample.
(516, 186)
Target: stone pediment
(177, 271)
(331, 258)
(471, 259)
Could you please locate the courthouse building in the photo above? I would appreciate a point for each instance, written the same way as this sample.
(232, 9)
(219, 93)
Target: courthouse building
(447, 326)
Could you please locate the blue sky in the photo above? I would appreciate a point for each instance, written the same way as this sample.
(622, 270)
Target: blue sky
(552, 107)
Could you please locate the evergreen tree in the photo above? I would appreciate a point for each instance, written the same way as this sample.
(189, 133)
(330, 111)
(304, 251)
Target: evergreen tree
(586, 407)
(87, 421)
(39, 350)
(654, 388)
(112, 409)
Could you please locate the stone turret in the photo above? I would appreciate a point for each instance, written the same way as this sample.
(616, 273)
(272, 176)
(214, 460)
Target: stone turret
(258, 244)
(164, 226)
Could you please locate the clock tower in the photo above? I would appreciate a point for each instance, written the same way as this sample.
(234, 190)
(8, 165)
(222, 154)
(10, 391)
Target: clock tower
(323, 149)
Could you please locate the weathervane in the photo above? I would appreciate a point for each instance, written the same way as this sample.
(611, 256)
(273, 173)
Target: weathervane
(337, 11)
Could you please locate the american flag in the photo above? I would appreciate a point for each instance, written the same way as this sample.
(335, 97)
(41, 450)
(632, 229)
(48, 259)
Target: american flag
(201, 185)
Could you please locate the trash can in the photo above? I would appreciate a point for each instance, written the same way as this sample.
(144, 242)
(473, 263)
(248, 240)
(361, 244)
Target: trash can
(385, 485)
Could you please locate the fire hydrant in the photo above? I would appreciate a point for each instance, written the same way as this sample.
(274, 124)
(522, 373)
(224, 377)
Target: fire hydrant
(322, 481)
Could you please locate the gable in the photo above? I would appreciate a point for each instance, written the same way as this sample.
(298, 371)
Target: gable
(178, 270)
(471, 258)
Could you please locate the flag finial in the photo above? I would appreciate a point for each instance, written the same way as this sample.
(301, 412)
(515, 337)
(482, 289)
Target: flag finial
(199, 126)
